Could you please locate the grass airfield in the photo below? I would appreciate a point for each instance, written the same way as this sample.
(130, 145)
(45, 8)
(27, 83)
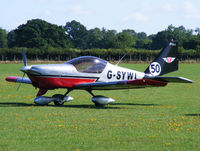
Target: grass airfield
(152, 119)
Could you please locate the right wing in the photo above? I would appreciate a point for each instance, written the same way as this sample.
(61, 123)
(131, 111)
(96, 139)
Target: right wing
(126, 84)
(19, 80)
(132, 84)
(171, 79)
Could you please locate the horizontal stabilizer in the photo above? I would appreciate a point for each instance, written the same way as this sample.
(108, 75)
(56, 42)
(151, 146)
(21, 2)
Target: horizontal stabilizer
(19, 80)
(171, 79)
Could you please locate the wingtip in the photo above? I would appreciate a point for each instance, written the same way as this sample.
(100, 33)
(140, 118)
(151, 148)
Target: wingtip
(187, 80)
(11, 79)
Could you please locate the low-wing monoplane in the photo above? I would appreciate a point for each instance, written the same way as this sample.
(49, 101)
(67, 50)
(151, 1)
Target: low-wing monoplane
(91, 73)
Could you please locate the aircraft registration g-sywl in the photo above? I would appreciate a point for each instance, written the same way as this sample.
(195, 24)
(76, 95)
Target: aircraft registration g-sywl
(91, 73)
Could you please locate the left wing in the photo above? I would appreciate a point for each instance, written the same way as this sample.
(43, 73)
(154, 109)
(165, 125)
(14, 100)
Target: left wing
(126, 84)
(19, 80)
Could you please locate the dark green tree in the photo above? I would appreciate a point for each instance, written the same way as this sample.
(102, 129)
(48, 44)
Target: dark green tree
(192, 43)
(12, 39)
(3, 38)
(143, 44)
(161, 39)
(177, 33)
(94, 38)
(197, 30)
(38, 33)
(142, 35)
(108, 38)
(124, 40)
(131, 32)
(77, 33)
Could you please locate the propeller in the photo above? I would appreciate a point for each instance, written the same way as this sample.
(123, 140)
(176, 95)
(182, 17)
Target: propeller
(20, 83)
(24, 60)
(24, 57)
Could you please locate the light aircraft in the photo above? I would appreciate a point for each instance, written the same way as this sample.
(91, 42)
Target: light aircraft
(91, 73)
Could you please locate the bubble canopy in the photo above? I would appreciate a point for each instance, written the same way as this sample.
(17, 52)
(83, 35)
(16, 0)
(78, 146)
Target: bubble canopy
(88, 64)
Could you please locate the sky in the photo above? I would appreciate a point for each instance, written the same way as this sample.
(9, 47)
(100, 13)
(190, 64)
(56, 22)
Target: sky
(149, 16)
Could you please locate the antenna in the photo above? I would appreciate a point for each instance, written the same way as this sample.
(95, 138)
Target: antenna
(120, 59)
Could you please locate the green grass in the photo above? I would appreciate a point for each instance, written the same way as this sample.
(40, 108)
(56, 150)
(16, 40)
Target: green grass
(152, 119)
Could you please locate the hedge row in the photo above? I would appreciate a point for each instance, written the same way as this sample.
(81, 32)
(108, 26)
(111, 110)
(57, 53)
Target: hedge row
(58, 54)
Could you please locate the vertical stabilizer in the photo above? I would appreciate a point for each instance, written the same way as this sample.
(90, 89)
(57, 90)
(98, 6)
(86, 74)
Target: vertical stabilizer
(165, 62)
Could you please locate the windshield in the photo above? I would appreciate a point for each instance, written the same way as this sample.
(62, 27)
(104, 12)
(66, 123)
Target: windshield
(88, 64)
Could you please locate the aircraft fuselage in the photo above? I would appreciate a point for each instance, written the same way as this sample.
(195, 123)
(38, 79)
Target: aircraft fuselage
(51, 76)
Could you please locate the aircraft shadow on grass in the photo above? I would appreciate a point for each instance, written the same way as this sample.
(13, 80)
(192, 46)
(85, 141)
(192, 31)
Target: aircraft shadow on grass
(134, 104)
(89, 106)
(112, 106)
(192, 114)
(14, 104)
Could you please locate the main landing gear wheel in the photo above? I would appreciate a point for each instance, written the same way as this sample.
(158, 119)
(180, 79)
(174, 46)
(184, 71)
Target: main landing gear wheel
(101, 101)
(59, 98)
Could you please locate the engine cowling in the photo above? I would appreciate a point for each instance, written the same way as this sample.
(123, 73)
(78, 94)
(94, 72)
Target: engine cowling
(43, 100)
(102, 100)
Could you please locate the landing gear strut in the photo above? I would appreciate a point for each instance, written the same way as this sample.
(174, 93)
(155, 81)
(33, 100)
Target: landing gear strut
(95, 103)
(99, 100)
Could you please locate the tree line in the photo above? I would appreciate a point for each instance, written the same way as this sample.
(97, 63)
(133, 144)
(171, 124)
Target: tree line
(43, 40)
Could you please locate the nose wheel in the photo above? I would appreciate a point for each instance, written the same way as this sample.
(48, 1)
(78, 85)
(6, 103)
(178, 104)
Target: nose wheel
(61, 99)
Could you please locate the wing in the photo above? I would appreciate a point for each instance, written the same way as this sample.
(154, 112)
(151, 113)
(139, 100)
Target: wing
(130, 84)
(171, 79)
(19, 80)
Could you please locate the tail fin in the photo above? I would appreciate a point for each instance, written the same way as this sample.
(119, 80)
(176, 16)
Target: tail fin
(165, 62)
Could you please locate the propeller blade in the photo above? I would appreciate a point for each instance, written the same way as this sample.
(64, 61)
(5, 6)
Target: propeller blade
(24, 57)
(20, 83)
